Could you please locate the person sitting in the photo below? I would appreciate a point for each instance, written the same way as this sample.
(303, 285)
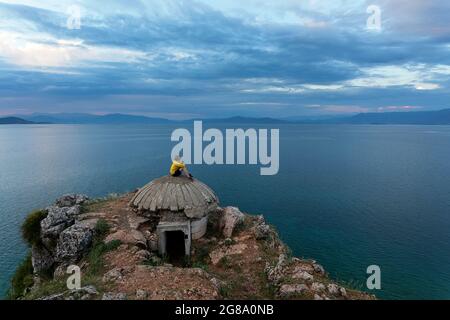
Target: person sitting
(178, 168)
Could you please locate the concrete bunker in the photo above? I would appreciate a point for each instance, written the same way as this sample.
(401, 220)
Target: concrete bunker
(178, 208)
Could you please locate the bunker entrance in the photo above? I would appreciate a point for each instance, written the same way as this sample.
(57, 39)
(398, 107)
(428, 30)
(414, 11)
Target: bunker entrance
(175, 246)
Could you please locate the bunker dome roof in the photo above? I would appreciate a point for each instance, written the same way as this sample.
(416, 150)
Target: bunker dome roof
(176, 194)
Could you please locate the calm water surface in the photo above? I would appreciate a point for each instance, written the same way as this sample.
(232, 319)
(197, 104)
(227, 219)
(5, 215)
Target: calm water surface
(347, 196)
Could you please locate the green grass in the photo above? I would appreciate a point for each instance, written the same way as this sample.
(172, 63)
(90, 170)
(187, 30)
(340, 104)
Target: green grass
(99, 248)
(57, 286)
(22, 279)
(200, 265)
(47, 288)
(95, 256)
(31, 228)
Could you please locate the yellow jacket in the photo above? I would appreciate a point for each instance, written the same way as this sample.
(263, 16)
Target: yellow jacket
(175, 166)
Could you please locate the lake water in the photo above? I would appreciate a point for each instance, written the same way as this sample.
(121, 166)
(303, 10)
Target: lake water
(347, 196)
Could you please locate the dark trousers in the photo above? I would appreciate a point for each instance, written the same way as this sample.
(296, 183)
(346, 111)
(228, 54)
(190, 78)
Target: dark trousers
(177, 173)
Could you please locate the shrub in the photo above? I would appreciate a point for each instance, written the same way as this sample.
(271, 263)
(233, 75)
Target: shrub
(31, 228)
(225, 263)
(112, 245)
(202, 254)
(200, 265)
(226, 290)
(101, 228)
(229, 242)
(22, 279)
(156, 261)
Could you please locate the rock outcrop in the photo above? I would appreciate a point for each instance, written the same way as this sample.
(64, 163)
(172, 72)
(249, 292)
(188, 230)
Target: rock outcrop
(241, 257)
(230, 218)
(290, 290)
(58, 219)
(70, 200)
(41, 259)
(64, 237)
(84, 293)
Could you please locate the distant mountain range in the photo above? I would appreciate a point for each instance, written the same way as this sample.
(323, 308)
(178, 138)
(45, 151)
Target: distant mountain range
(244, 120)
(14, 120)
(84, 118)
(441, 117)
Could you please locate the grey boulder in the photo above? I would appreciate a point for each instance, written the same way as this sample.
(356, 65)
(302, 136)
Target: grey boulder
(289, 290)
(70, 200)
(114, 296)
(41, 259)
(73, 242)
(58, 219)
(262, 231)
(230, 218)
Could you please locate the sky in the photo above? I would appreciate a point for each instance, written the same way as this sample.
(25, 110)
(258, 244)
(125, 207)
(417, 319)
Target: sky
(220, 58)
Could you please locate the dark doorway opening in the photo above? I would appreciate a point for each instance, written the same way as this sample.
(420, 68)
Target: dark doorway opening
(175, 247)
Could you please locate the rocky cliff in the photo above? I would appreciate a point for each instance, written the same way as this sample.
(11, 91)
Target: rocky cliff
(241, 257)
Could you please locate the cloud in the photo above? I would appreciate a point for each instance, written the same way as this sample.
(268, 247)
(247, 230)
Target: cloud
(417, 17)
(426, 86)
(398, 108)
(223, 57)
(51, 52)
(397, 76)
